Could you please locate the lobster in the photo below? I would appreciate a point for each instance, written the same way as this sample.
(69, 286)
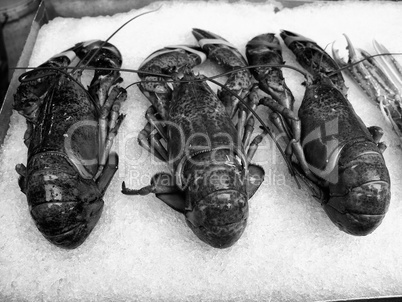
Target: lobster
(70, 131)
(339, 158)
(212, 175)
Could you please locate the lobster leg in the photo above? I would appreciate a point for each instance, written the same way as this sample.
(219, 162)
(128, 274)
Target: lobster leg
(150, 115)
(302, 168)
(155, 139)
(248, 131)
(294, 147)
(144, 141)
(108, 172)
(293, 134)
(153, 134)
(244, 126)
(286, 112)
(162, 185)
(245, 119)
(116, 97)
(151, 138)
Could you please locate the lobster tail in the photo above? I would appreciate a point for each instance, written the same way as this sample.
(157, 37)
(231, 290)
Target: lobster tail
(217, 208)
(358, 224)
(220, 218)
(67, 224)
(64, 206)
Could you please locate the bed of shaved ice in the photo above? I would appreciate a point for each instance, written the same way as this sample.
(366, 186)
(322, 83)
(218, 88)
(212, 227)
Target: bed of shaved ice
(141, 250)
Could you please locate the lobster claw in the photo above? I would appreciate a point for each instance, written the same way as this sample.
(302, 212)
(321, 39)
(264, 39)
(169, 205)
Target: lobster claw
(95, 52)
(380, 78)
(219, 49)
(35, 83)
(314, 59)
(171, 61)
(290, 37)
(100, 54)
(168, 60)
(226, 54)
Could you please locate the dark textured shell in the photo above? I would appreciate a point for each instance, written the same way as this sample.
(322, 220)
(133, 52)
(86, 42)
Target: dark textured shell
(68, 105)
(326, 115)
(198, 122)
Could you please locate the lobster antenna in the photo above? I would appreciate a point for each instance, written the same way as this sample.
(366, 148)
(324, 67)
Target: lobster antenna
(322, 54)
(56, 70)
(111, 36)
(22, 80)
(365, 59)
(22, 76)
(136, 83)
(306, 75)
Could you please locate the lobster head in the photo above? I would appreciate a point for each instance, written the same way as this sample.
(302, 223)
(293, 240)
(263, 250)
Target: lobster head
(64, 205)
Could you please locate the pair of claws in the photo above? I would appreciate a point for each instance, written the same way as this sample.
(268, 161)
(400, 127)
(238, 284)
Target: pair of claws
(380, 77)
